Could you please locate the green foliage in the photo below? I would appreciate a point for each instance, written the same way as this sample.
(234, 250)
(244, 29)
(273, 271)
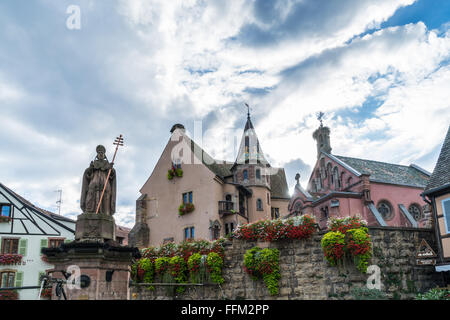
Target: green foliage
(178, 270)
(215, 264)
(435, 294)
(196, 268)
(185, 208)
(264, 263)
(162, 265)
(333, 246)
(348, 237)
(368, 294)
(146, 271)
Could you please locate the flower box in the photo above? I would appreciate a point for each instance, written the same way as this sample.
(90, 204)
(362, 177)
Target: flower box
(301, 227)
(185, 208)
(7, 259)
(9, 295)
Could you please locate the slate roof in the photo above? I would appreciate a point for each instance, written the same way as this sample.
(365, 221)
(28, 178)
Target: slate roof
(441, 173)
(388, 172)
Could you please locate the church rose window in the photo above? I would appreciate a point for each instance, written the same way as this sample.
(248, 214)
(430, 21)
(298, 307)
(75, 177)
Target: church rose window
(415, 211)
(385, 209)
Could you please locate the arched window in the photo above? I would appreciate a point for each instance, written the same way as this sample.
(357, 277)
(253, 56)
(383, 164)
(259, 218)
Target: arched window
(319, 180)
(415, 211)
(259, 205)
(385, 209)
(329, 174)
(245, 174)
(335, 179)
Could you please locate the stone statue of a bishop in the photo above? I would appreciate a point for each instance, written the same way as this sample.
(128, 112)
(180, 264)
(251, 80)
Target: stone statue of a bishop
(94, 179)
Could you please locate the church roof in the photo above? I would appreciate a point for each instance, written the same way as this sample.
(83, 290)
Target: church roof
(250, 149)
(387, 172)
(441, 173)
(278, 183)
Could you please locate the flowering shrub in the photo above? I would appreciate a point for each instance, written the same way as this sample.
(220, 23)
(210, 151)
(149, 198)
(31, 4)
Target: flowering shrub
(264, 263)
(10, 258)
(145, 271)
(301, 227)
(333, 244)
(348, 236)
(344, 224)
(9, 295)
(194, 254)
(177, 269)
(185, 208)
(215, 264)
(196, 267)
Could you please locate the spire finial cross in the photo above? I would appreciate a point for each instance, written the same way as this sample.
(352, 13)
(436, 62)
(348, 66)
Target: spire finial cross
(248, 109)
(320, 115)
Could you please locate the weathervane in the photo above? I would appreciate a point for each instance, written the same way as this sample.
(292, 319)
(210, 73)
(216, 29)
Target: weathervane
(118, 142)
(320, 115)
(248, 109)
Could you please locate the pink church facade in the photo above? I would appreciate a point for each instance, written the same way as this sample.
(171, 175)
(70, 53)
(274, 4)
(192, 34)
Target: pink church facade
(381, 193)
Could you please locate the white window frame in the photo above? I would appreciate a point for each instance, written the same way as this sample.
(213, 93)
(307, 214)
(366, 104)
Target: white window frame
(445, 214)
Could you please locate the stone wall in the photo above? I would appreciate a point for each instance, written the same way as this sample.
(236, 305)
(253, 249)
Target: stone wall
(305, 274)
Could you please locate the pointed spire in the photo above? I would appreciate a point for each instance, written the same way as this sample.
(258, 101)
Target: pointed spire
(250, 150)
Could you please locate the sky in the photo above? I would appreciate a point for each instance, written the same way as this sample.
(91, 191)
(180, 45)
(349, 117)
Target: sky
(378, 69)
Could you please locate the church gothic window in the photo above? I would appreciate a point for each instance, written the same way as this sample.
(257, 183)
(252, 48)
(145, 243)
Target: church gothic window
(385, 209)
(335, 179)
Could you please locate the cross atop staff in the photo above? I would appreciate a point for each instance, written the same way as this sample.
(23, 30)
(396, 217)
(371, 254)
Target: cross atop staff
(320, 115)
(117, 142)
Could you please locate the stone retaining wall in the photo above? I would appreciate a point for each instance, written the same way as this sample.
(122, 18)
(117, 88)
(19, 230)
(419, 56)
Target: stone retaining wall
(305, 274)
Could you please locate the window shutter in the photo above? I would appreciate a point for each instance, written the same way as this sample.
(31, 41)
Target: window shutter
(44, 243)
(23, 247)
(19, 279)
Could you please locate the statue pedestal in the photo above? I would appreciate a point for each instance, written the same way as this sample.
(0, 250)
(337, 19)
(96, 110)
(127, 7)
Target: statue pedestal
(104, 266)
(104, 269)
(95, 227)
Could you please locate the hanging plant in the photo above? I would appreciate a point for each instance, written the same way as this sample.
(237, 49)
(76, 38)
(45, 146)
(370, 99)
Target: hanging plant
(347, 237)
(196, 267)
(145, 271)
(264, 263)
(178, 270)
(215, 263)
(185, 208)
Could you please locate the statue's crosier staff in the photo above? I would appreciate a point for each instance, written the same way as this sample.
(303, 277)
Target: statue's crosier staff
(118, 142)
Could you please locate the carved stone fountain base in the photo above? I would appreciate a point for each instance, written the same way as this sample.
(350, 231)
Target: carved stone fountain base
(95, 227)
